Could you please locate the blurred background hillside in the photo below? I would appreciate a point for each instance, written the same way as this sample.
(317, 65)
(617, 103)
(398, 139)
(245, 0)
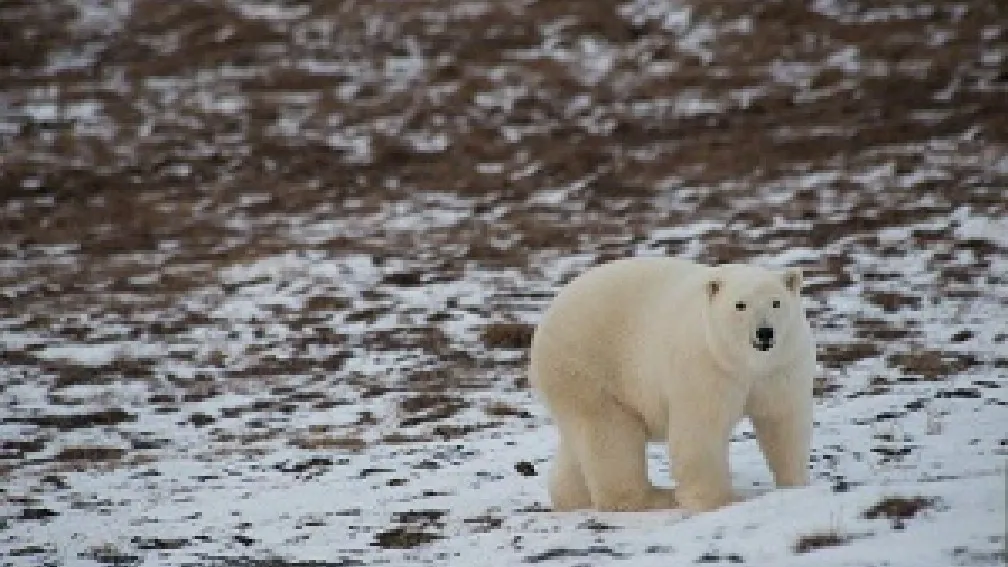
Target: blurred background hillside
(216, 125)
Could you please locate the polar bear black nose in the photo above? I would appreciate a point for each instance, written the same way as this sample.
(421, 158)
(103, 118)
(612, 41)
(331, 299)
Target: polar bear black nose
(764, 334)
(764, 339)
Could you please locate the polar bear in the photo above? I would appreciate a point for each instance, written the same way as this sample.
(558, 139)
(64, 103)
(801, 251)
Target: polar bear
(649, 349)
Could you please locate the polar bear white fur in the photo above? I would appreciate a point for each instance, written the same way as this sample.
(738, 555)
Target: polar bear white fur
(652, 349)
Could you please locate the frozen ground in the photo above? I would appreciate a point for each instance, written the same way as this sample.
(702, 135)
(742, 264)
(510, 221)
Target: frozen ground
(268, 270)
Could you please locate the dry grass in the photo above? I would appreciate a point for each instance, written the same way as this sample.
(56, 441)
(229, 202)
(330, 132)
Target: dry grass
(508, 335)
(931, 364)
(87, 454)
(820, 540)
(899, 508)
(328, 442)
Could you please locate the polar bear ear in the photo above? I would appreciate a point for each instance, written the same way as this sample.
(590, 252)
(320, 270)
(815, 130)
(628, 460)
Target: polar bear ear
(793, 279)
(713, 288)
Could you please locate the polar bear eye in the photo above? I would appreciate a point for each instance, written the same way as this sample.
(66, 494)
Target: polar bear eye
(740, 306)
(776, 304)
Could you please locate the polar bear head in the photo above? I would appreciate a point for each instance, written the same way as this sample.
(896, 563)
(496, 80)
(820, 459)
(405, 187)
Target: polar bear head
(753, 315)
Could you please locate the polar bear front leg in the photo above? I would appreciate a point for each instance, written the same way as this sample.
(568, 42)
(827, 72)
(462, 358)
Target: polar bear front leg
(699, 430)
(784, 435)
(610, 443)
(700, 467)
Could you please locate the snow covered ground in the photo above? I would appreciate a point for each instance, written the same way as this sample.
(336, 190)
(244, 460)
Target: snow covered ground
(311, 468)
(268, 271)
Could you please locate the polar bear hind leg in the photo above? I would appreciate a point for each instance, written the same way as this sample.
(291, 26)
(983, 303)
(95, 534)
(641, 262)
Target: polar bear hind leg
(609, 447)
